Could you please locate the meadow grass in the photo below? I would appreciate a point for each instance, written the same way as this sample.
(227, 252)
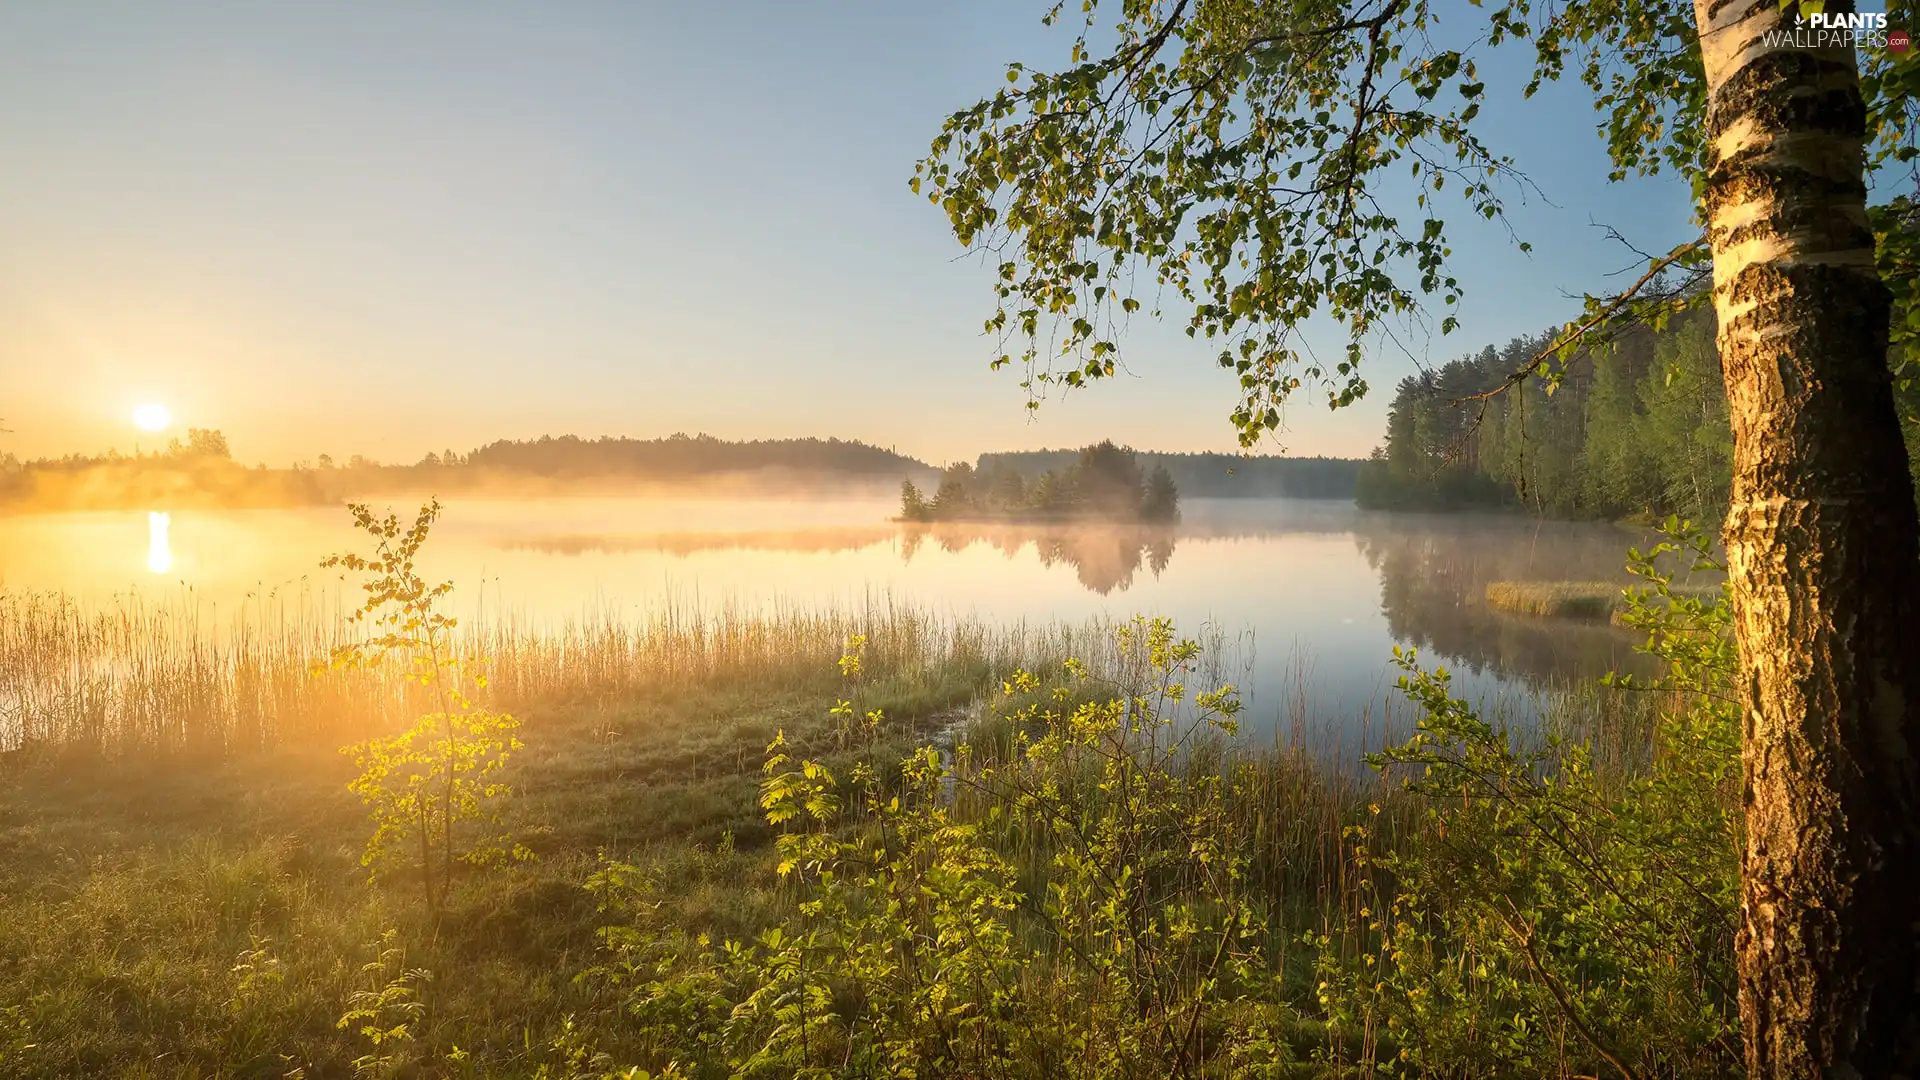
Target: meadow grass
(1562, 599)
(179, 853)
(210, 917)
(143, 677)
(1591, 600)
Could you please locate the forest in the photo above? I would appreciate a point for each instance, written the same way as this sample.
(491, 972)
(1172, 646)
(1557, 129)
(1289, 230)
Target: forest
(201, 472)
(1637, 429)
(677, 455)
(1103, 483)
(1211, 475)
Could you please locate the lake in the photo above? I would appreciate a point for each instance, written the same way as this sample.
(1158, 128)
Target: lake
(1307, 598)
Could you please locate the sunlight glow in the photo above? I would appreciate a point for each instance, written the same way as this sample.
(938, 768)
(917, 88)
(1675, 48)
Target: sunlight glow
(159, 550)
(152, 416)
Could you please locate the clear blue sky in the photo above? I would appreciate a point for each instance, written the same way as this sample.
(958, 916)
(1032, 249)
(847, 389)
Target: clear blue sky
(384, 229)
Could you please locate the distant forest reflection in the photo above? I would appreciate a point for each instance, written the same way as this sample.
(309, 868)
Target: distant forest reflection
(1312, 595)
(1432, 571)
(1105, 559)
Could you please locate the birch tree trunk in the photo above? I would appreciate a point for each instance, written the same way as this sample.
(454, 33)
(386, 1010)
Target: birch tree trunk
(1823, 562)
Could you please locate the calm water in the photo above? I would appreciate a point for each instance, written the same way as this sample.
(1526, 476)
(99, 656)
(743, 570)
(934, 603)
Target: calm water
(1311, 597)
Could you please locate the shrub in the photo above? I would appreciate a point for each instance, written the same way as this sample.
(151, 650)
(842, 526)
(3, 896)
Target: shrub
(419, 784)
(1552, 916)
(1080, 905)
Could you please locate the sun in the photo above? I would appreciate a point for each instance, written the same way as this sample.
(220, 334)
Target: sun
(152, 416)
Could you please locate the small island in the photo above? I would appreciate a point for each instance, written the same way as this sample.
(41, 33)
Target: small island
(1106, 484)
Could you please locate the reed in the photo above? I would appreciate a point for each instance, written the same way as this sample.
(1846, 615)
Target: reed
(206, 874)
(1561, 599)
(1592, 600)
(146, 676)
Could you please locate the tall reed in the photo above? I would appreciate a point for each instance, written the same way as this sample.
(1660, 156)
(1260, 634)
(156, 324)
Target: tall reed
(139, 675)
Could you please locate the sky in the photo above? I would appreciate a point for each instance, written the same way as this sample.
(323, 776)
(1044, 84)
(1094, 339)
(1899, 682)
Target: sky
(389, 229)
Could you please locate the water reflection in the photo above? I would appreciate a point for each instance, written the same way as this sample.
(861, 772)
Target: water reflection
(1104, 559)
(1434, 573)
(691, 542)
(1327, 590)
(159, 549)
(1431, 572)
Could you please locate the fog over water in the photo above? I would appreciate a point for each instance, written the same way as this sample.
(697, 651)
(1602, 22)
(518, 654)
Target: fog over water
(1309, 598)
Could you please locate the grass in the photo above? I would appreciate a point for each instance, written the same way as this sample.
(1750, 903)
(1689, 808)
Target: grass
(179, 854)
(1590, 600)
(212, 918)
(1557, 599)
(144, 677)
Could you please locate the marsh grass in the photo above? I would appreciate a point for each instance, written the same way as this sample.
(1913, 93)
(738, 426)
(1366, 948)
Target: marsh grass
(1040, 820)
(179, 849)
(1596, 601)
(1560, 599)
(170, 677)
(210, 918)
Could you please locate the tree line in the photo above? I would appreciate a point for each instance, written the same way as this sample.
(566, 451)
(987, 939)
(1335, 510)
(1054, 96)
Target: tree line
(197, 472)
(200, 471)
(1212, 475)
(682, 455)
(1104, 482)
(1637, 428)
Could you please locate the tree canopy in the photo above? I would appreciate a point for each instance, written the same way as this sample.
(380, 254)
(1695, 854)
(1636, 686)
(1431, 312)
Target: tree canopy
(1210, 475)
(1640, 432)
(1236, 165)
(1103, 482)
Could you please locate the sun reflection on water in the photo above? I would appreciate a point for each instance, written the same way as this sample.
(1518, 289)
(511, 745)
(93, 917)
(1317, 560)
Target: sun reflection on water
(1324, 586)
(159, 550)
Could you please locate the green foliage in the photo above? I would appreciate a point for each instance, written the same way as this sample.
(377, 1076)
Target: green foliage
(16, 1040)
(1205, 475)
(1080, 904)
(199, 472)
(1639, 430)
(193, 917)
(1108, 481)
(387, 1009)
(1429, 460)
(1891, 84)
(955, 497)
(1234, 163)
(1554, 915)
(680, 457)
(1161, 500)
(421, 783)
(1127, 869)
(1102, 481)
(257, 975)
(913, 505)
(1675, 437)
(580, 1061)
(1232, 155)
